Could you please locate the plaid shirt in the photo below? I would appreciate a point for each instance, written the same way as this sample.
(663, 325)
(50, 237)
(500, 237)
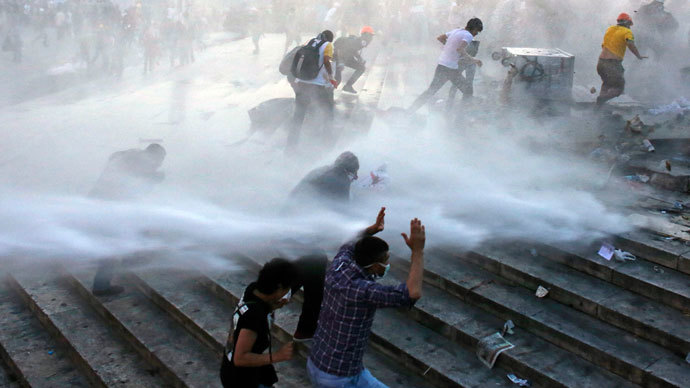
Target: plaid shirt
(350, 300)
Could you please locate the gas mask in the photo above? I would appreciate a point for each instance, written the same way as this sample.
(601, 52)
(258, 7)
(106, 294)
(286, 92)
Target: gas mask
(387, 268)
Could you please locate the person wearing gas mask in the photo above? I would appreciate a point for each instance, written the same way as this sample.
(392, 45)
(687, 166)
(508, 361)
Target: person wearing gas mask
(348, 53)
(350, 300)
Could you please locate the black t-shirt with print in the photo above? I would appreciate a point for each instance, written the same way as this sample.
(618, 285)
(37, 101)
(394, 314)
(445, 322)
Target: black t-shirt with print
(255, 318)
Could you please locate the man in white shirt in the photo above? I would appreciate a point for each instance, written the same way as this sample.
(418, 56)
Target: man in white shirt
(318, 91)
(455, 44)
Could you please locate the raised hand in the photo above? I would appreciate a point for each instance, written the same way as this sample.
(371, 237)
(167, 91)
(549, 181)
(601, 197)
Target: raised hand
(417, 238)
(378, 225)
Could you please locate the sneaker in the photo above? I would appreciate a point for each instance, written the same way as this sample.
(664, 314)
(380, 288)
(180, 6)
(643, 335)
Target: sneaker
(302, 337)
(349, 89)
(113, 290)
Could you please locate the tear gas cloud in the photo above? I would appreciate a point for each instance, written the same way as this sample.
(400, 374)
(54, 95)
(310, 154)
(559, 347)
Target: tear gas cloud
(470, 185)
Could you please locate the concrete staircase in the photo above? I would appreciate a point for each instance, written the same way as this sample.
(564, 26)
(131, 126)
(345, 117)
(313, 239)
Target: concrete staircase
(603, 323)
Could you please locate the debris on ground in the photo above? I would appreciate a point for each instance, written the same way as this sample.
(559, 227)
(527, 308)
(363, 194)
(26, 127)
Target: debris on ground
(519, 381)
(635, 125)
(490, 347)
(638, 178)
(541, 292)
(606, 251)
(678, 106)
(658, 269)
(623, 256)
(666, 164)
(533, 252)
(508, 328)
(648, 145)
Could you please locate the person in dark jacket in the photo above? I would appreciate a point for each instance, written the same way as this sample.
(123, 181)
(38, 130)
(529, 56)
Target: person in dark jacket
(245, 362)
(348, 53)
(329, 183)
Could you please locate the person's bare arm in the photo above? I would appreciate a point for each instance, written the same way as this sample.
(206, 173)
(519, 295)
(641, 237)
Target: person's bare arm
(443, 38)
(416, 241)
(327, 65)
(634, 50)
(462, 49)
(243, 356)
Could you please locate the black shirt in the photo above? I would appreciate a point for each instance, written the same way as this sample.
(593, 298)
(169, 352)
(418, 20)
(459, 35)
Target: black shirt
(255, 318)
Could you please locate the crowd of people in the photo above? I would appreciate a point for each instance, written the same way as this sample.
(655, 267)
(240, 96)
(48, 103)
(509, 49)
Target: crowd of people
(101, 36)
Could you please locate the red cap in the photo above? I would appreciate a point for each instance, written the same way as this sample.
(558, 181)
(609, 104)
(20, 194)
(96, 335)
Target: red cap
(367, 30)
(624, 16)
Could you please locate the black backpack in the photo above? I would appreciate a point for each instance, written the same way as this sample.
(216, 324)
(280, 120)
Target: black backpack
(305, 65)
(285, 67)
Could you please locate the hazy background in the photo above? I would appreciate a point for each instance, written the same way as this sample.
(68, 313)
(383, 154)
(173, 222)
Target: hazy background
(505, 176)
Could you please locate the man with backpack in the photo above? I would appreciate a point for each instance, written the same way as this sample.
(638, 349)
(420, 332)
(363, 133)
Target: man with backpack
(348, 53)
(314, 84)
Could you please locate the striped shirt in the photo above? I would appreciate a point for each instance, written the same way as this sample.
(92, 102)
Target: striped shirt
(349, 303)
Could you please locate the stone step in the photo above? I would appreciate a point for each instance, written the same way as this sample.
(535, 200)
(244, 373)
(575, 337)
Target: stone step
(627, 310)
(671, 253)
(34, 357)
(231, 284)
(183, 360)
(100, 352)
(185, 296)
(638, 360)
(661, 284)
(7, 379)
(427, 352)
(533, 358)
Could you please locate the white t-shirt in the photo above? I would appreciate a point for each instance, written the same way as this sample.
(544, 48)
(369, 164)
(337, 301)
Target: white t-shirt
(322, 78)
(450, 55)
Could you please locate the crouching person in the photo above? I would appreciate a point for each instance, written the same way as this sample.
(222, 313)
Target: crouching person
(246, 363)
(350, 300)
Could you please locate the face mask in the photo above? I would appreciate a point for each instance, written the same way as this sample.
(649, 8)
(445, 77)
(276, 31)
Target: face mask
(387, 268)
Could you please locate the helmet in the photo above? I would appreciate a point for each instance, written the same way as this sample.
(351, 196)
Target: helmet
(624, 17)
(367, 30)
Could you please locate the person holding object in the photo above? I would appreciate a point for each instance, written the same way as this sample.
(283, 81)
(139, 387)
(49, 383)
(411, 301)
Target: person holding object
(245, 363)
(351, 298)
(610, 65)
(455, 44)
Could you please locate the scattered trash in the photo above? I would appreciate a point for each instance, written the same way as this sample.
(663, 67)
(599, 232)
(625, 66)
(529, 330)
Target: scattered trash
(687, 358)
(508, 327)
(635, 125)
(490, 347)
(593, 90)
(426, 371)
(678, 106)
(648, 145)
(623, 256)
(606, 251)
(666, 164)
(678, 205)
(50, 352)
(533, 252)
(541, 292)
(638, 178)
(519, 381)
(657, 269)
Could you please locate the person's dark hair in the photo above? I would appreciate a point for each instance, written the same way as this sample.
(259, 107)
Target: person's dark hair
(327, 35)
(156, 149)
(347, 161)
(277, 273)
(369, 250)
(474, 24)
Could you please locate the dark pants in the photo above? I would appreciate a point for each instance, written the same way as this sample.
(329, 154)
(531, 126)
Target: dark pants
(359, 68)
(612, 73)
(470, 69)
(441, 76)
(312, 273)
(104, 274)
(305, 96)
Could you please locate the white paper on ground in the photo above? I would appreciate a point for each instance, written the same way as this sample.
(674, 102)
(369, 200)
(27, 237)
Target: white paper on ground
(606, 251)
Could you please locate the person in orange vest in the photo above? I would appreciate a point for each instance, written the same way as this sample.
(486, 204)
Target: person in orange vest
(610, 66)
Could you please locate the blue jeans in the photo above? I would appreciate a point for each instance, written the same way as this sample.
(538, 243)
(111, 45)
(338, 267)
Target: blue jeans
(320, 379)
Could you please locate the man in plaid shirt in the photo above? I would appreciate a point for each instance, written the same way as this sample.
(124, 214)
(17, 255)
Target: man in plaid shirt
(351, 297)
